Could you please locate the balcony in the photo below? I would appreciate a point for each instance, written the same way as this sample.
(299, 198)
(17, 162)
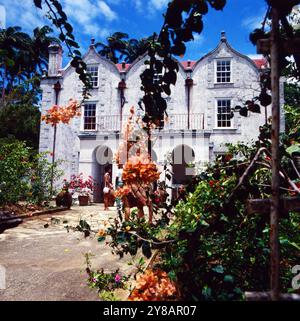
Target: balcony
(174, 122)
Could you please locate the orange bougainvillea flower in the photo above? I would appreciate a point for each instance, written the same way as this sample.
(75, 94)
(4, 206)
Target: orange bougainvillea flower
(62, 114)
(154, 285)
(140, 169)
(122, 191)
(101, 233)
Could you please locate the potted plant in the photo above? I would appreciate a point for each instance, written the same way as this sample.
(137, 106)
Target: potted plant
(64, 198)
(83, 188)
(83, 198)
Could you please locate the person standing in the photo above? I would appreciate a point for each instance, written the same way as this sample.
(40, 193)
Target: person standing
(107, 188)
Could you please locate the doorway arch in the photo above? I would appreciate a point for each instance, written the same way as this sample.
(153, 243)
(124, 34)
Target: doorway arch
(102, 162)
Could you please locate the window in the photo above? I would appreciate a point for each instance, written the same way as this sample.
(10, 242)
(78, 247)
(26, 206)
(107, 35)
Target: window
(223, 71)
(93, 71)
(157, 77)
(224, 113)
(90, 117)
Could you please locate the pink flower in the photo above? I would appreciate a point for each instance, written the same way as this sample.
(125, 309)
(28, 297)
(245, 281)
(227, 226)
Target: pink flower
(118, 278)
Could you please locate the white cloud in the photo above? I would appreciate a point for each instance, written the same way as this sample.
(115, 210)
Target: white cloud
(198, 39)
(81, 11)
(253, 56)
(23, 13)
(95, 31)
(2, 17)
(138, 4)
(253, 22)
(106, 11)
(158, 4)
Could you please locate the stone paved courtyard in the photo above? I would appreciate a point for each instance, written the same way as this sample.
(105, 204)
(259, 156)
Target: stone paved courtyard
(48, 263)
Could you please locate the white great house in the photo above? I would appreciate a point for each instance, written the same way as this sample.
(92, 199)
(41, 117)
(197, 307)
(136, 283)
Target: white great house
(199, 110)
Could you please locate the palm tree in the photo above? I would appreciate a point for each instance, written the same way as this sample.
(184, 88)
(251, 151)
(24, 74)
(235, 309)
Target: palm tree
(136, 48)
(115, 49)
(22, 56)
(12, 40)
(39, 47)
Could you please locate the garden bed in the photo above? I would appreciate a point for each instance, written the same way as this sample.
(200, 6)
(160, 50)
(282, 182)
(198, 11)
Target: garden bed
(12, 216)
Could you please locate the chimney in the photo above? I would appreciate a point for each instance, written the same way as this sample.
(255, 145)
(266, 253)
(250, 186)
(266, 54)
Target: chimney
(223, 36)
(92, 45)
(55, 60)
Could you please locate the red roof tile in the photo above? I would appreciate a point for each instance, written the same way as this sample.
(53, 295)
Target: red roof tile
(260, 63)
(186, 63)
(120, 67)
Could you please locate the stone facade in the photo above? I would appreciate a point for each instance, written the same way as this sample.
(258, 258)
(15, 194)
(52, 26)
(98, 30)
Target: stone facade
(193, 109)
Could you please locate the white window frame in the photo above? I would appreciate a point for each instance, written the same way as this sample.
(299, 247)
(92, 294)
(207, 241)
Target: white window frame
(216, 114)
(157, 77)
(94, 76)
(216, 71)
(83, 117)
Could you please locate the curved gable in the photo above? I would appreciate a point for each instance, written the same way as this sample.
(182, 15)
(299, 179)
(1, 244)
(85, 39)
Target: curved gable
(92, 57)
(224, 50)
(142, 58)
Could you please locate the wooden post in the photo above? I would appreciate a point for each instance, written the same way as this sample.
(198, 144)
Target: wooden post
(275, 204)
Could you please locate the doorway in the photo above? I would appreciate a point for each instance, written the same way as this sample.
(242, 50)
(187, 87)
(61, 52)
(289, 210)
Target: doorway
(102, 162)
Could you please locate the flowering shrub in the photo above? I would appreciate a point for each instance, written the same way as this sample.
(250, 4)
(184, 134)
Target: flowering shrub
(213, 249)
(24, 175)
(64, 114)
(104, 282)
(40, 178)
(139, 171)
(154, 285)
(81, 186)
(122, 191)
(15, 165)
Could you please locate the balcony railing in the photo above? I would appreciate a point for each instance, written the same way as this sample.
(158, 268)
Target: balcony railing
(174, 122)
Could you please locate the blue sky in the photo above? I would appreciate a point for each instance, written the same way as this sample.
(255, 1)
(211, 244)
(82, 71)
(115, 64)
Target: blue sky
(140, 18)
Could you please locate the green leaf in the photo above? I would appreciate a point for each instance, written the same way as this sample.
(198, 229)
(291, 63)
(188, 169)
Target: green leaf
(172, 275)
(170, 77)
(293, 149)
(218, 269)
(146, 249)
(68, 27)
(38, 3)
(206, 291)
(101, 239)
(244, 112)
(77, 53)
(295, 245)
(72, 43)
(228, 278)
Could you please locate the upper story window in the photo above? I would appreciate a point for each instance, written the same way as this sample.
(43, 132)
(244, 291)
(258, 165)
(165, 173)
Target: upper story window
(157, 77)
(224, 113)
(89, 116)
(223, 74)
(93, 71)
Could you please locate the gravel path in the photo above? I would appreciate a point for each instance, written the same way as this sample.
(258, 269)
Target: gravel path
(48, 263)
